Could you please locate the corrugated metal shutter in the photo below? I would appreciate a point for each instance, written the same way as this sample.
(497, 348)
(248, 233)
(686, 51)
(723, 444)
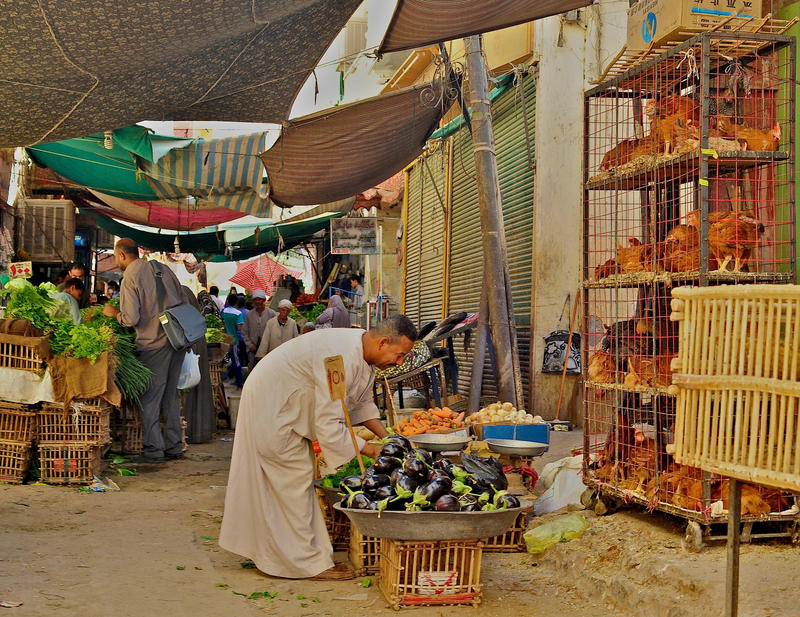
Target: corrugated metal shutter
(466, 256)
(425, 237)
(46, 229)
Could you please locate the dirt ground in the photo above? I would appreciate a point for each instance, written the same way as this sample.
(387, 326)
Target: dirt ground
(150, 549)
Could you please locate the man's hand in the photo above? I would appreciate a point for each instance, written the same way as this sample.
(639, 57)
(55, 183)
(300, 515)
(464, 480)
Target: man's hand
(371, 450)
(110, 311)
(253, 348)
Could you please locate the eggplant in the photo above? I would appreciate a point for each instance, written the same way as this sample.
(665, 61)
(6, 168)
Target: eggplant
(373, 481)
(424, 456)
(467, 500)
(357, 501)
(447, 503)
(393, 449)
(385, 492)
(488, 472)
(405, 485)
(431, 491)
(438, 473)
(402, 441)
(351, 482)
(444, 465)
(415, 467)
(473, 507)
(385, 464)
(373, 505)
(395, 475)
(506, 501)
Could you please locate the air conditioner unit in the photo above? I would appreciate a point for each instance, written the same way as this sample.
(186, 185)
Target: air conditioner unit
(46, 229)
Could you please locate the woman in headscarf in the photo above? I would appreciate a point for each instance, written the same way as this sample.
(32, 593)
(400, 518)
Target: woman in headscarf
(335, 316)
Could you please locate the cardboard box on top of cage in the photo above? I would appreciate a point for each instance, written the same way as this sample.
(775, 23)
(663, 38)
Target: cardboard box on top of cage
(653, 22)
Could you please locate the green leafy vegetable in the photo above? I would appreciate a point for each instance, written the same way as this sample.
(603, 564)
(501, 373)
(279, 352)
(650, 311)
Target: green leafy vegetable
(350, 469)
(212, 321)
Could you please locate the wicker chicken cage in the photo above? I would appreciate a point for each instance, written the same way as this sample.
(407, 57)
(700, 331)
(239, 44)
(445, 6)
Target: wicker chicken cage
(365, 553)
(69, 463)
(83, 421)
(17, 422)
(738, 371)
(15, 458)
(689, 180)
(431, 573)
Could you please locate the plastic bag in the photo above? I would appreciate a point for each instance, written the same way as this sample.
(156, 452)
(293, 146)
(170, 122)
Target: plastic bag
(488, 472)
(190, 371)
(564, 529)
(563, 481)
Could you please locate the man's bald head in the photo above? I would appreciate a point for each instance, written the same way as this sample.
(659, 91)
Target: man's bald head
(126, 251)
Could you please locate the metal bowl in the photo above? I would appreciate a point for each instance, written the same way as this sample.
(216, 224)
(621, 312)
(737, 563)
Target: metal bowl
(516, 447)
(331, 494)
(428, 526)
(440, 442)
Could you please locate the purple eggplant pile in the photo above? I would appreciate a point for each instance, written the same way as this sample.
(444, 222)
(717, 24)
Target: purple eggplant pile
(405, 479)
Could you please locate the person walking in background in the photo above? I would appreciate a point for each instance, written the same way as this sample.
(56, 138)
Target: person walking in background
(279, 329)
(234, 321)
(139, 309)
(214, 293)
(356, 300)
(255, 322)
(335, 316)
(112, 289)
(233, 293)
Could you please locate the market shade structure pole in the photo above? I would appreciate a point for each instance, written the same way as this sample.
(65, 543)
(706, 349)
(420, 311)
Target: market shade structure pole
(501, 311)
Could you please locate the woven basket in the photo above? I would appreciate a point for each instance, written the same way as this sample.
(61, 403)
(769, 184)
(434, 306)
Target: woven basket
(69, 463)
(14, 460)
(17, 422)
(82, 422)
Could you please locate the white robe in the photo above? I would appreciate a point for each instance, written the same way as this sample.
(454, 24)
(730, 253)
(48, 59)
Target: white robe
(272, 515)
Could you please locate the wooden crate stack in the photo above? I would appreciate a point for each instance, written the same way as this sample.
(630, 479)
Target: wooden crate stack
(17, 430)
(71, 440)
(17, 421)
(431, 573)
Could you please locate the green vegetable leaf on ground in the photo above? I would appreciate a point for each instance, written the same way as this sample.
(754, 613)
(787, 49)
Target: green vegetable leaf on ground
(366, 583)
(248, 565)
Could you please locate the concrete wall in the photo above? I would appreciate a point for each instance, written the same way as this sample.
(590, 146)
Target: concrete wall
(570, 55)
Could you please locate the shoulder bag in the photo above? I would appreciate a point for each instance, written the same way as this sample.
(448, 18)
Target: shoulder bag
(183, 324)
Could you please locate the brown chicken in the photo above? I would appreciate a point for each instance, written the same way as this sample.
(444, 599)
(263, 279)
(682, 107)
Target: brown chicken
(619, 155)
(605, 269)
(732, 236)
(679, 485)
(751, 138)
(636, 257)
(601, 368)
(753, 502)
(680, 250)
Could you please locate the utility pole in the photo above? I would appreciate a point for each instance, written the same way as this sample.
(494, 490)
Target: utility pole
(498, 293)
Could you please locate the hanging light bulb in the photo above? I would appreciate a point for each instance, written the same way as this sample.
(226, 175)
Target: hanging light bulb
(108, 140)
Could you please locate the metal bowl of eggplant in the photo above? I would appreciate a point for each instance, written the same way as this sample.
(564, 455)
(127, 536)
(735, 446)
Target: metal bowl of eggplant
(428, 526)
(516, 447)
(408, 495)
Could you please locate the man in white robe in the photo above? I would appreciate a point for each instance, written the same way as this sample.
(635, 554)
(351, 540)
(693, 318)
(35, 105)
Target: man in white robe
(272, 515)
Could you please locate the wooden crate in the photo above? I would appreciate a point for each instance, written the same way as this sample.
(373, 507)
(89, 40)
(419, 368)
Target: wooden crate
(738, 379)
(215, 372)
(17, 422)
(431, 573)
(15, 457)
(337, 524)
(21, 353)
(69, 463)
(512, 540)
(81, 422)
(131, 437)
(365, 553)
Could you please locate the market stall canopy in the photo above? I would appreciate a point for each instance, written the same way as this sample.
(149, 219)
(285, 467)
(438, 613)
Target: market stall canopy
(269, 238)
(337, 153)
(161, 172)
(261, 273)
(75, 68)
(417, 23)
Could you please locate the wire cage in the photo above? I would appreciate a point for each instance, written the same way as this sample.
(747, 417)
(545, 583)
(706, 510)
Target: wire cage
(689, 180)
(689, 165)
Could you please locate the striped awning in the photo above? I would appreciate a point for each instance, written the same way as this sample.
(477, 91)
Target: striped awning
(417, 23)
(338, 153)
(225, 172)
